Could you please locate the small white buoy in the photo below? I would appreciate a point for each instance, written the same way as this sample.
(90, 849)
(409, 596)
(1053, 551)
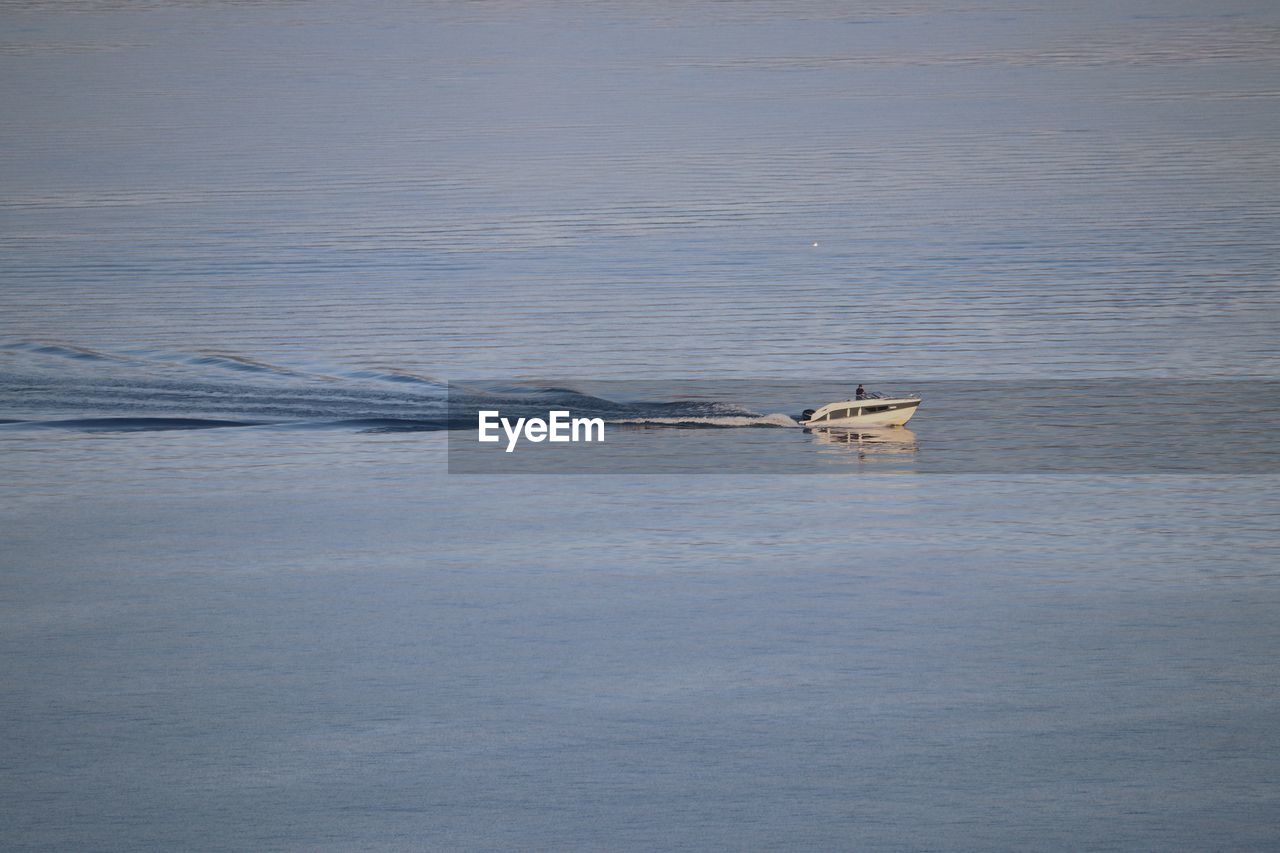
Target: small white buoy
(815, 244)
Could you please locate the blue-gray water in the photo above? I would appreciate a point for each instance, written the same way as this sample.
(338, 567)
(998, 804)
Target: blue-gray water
(293, 223)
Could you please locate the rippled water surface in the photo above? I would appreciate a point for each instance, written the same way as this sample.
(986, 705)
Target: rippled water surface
(246, 247)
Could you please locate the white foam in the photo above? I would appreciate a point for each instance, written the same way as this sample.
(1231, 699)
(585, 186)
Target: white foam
(776, 419)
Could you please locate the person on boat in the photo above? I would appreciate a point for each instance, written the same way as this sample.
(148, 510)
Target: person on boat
(860, 394)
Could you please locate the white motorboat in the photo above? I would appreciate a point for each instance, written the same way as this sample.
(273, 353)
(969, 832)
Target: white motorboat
(874, 410)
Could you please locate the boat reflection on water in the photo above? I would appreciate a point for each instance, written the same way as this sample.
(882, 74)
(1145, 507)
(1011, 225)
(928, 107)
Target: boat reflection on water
(869, 443)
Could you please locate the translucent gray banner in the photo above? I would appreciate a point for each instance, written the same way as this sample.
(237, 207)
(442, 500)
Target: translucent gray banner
(683, 426)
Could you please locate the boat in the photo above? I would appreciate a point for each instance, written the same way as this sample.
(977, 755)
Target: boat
(875, 409)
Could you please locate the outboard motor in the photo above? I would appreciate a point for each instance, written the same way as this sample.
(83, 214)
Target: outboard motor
(808, 413)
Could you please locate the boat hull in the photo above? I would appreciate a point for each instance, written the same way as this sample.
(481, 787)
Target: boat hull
(898, 418)
(864, 413)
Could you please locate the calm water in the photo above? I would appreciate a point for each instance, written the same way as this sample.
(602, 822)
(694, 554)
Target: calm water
(298, 221)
